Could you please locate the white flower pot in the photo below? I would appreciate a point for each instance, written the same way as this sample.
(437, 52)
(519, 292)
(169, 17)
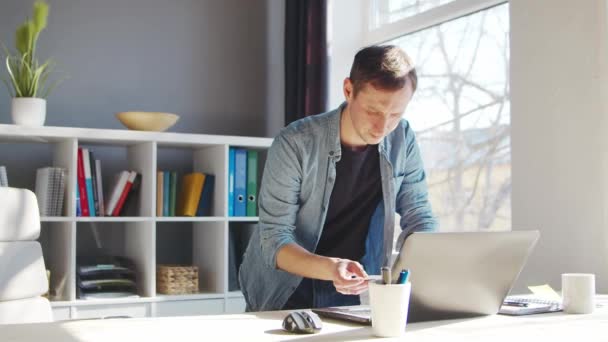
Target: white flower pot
(28, 111)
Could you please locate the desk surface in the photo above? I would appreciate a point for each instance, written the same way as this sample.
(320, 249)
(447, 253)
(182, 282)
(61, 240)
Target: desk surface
(266, 326)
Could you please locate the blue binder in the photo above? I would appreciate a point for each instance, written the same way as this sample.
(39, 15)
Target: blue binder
(240, 182)
(231, 154)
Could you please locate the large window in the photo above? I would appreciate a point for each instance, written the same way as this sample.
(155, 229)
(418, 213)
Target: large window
(461, 109)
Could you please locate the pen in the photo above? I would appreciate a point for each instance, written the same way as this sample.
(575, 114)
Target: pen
(403, 276)
(386, 275)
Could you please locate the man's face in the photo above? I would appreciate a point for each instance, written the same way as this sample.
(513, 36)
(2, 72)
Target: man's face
(375, 113)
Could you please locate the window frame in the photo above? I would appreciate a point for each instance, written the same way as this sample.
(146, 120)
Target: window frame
(427, 19)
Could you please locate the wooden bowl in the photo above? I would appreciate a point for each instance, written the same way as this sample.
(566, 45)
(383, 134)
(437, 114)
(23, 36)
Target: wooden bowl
(147, 121)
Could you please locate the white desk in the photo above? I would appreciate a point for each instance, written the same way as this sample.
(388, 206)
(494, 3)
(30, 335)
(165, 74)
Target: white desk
(266, 326)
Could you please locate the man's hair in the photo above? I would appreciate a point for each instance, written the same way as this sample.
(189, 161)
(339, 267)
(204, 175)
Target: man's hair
(384, 67)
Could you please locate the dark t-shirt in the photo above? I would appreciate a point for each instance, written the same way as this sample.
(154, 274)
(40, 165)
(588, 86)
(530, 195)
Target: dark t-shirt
(355, 196)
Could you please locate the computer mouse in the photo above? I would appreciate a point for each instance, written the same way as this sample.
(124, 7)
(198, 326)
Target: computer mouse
(302, 322)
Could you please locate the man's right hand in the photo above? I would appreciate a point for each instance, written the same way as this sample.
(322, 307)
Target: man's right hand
(349, 277)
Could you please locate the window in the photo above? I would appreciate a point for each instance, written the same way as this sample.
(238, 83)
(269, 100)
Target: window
(461, 111)
(390, 11)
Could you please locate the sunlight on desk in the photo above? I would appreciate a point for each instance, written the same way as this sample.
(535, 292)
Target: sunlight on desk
(266, 326)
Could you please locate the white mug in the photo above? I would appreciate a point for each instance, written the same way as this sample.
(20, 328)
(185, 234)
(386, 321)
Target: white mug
(578, 293)
(389, 304)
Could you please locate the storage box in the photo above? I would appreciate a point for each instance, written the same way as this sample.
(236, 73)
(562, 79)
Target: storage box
(176, 279)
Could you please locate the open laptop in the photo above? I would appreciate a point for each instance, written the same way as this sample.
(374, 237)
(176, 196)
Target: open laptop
(454, 275)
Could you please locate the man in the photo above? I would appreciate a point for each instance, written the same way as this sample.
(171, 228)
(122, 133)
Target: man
(331, 186)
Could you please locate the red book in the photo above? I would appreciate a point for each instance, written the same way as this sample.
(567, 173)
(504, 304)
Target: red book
(82, 188)
(123, 194)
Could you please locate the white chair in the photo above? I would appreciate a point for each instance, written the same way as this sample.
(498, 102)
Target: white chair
(22, 271)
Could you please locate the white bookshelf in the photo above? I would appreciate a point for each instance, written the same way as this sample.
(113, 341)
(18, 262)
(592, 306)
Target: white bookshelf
(203, 241)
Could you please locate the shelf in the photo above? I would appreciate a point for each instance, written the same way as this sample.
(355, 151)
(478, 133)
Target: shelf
(113, 219)
(190, 219)
(243, 219)
(158, 298)
(165, 298)
(234, 294)
(140, 236)
(56, 219)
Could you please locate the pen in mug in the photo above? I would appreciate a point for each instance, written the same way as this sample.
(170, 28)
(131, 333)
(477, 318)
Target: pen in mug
(403, 276)
(386, 275)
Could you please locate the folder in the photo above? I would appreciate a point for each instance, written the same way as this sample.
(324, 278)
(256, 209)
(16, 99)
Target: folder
(252, 183)
(173, 194)
(192, 185)
(231, 154)
(240, 182)
(166, 192)
(206, 201)
(159, 193)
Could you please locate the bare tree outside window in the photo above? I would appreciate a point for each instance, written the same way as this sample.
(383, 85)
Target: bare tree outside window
(461, 115)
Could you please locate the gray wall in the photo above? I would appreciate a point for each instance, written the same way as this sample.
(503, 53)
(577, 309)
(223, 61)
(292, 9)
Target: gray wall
(559, 85)
(204, 60)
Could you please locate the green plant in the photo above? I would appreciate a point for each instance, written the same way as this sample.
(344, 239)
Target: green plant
(27, 77)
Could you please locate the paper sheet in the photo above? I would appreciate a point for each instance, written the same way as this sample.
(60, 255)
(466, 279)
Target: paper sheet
(545, 292)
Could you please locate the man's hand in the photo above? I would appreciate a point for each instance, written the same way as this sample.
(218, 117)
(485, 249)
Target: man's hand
(349, 277)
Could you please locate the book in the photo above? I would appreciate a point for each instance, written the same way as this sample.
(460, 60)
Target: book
(192, 185)
(88, 181)
(240, 182)
(120, 180)
(94, 184)
(173, 194)
(159, 193)
(99, 181)
(84, 203)
(130, 205)
(166, 192)
(252, 183)
(78, 211)
(206, 202)
(231, 155)
(124, 193)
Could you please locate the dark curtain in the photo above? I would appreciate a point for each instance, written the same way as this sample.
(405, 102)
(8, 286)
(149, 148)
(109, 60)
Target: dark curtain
(306, 58)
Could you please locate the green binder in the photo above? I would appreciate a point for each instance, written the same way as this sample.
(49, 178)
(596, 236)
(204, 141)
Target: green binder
(252, 183)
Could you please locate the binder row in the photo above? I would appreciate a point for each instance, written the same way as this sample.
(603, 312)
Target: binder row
(50, 190)
(242, 182)
(195, 197)
(89, 192)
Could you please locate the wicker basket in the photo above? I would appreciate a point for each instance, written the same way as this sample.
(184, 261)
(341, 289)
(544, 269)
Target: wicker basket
(175, 279)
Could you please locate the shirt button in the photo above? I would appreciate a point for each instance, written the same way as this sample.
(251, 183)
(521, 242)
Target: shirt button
(331, 153)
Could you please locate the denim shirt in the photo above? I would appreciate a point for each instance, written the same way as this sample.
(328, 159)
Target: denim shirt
(296, 186)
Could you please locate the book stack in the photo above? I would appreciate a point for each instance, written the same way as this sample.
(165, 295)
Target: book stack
(242, 182)
(3, 176)
(195, 197)
(50, 190)
(90, 199)
(105, 277)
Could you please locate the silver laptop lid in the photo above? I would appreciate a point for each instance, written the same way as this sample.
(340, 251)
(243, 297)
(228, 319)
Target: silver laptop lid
(456, 275)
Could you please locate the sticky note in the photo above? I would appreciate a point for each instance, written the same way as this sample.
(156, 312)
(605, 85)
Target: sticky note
(545, 292)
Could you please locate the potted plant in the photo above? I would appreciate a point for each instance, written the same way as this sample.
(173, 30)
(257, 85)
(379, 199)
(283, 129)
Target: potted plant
(27, 78)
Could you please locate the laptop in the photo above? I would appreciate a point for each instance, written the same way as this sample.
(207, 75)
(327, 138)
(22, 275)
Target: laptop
(454, 275)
